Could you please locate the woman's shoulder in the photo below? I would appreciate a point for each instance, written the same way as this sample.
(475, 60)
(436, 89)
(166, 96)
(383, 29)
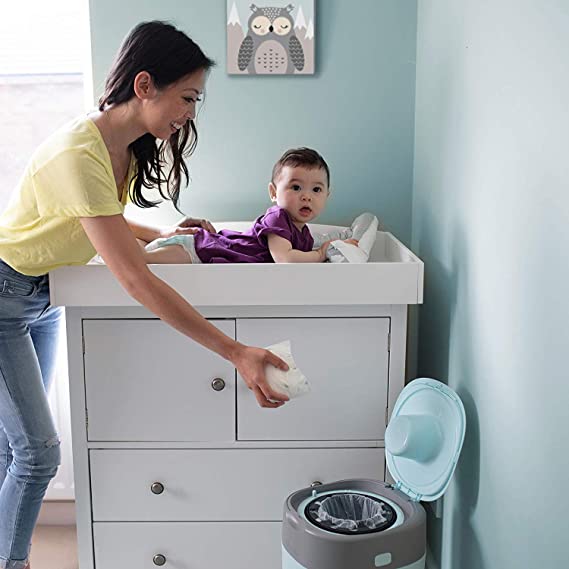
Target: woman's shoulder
(75, 139)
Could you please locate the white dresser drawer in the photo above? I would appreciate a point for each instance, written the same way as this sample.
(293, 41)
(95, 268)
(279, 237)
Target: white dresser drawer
(216, 485)
(346, 362)
(147, 382)
(252, 545)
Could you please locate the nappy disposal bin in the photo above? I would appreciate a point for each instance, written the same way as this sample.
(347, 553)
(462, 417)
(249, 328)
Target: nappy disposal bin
(364, 524)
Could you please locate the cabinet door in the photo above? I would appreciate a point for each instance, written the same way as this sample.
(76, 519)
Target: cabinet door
(215, 485)
(187, 545)
(147, 382)
(346, 363)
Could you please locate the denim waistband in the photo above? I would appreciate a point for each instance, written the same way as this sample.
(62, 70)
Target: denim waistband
(6, 269)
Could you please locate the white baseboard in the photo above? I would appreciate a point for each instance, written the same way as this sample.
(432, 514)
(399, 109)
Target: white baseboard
(57, 513)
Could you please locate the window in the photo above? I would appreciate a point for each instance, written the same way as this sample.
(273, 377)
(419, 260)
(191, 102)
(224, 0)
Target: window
(43, 54)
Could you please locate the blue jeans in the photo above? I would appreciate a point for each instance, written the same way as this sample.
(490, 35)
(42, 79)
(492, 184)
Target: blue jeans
(29, 443)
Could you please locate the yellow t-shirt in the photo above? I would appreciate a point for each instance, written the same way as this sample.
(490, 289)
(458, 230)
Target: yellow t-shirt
(69, 176)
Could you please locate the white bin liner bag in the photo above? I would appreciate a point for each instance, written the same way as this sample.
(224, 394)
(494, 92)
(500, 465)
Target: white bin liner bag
(351, 511)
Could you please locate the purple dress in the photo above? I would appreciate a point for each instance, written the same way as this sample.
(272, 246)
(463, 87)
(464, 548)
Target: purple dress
(251, 246)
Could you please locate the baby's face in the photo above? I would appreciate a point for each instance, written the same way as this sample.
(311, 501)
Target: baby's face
(302, 192)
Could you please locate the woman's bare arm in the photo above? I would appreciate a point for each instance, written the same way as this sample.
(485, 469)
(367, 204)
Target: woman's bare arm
(143, 232)
(148, 233)
(115, 242)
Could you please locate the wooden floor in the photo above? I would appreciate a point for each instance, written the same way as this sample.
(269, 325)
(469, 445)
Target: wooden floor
(54, 547)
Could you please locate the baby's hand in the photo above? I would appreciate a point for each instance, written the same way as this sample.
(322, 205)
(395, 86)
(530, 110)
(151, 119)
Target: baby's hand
(322, 250)
(324, 247)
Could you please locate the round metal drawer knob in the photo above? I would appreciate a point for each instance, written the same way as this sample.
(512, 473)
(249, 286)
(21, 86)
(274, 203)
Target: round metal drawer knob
(316, 483)
(159, 560)
(218, 384)
(157, 488)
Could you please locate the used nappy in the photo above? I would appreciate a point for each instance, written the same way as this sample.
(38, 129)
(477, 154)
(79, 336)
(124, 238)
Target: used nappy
(291, 382)
(363, 229)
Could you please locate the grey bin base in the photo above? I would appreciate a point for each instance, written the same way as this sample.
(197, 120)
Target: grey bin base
(314, 548)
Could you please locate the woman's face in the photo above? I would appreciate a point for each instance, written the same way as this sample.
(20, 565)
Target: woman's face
(171, 107)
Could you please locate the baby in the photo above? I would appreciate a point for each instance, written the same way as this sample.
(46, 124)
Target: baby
(299, 189)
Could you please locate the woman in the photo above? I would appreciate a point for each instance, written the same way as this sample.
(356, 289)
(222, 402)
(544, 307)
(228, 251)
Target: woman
(69, 205)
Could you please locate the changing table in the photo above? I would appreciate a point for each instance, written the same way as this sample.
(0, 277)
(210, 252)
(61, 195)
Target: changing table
(175, 464)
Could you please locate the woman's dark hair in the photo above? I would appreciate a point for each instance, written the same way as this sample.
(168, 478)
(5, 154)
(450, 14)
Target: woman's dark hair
(167, 54)
(301, 157)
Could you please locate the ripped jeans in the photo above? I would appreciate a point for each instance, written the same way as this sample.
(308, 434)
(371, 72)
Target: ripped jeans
(29, 443)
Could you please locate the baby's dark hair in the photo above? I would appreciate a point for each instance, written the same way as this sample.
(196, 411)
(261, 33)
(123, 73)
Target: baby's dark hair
(301, 157)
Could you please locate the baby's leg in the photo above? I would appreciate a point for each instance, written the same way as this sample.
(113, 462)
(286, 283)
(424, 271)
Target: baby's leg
(171, 254)
(174, 250)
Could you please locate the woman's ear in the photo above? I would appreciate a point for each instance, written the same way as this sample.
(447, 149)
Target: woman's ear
(144, 85)
(272, 192)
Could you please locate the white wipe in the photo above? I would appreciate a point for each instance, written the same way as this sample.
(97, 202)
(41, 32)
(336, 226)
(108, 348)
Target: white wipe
(291, 382)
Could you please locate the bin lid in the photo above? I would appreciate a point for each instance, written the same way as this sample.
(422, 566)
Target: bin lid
(424, 438)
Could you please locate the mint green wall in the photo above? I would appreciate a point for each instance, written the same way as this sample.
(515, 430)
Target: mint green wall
(358, 110)
(490, 221)
(488, 209)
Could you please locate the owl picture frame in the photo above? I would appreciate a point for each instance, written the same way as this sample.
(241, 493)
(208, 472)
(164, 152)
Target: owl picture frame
(270, 37)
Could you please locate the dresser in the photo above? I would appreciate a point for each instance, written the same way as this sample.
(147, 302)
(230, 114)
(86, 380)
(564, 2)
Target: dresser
(175, 463)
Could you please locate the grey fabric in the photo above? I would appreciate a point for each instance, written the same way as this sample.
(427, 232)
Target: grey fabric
(363, 229)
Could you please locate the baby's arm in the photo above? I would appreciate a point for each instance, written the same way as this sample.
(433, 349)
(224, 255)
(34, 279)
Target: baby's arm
(282, 251)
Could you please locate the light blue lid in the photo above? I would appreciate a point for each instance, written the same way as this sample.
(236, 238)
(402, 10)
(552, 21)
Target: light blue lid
(424, 438)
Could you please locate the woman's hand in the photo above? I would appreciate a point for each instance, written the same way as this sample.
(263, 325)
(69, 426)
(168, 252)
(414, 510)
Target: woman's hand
(186, 226)
(250, 363)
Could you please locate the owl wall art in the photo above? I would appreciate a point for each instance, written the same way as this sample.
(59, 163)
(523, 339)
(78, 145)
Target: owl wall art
(275, 39)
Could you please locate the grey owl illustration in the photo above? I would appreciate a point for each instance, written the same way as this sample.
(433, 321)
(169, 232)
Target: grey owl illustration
(271, 45)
